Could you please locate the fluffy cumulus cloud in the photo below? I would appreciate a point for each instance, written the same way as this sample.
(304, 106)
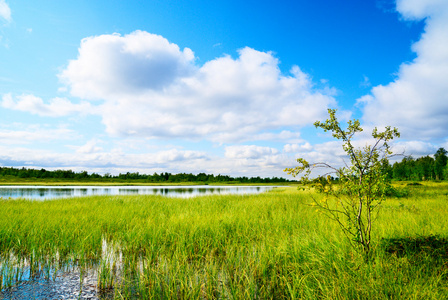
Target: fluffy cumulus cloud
(89, 147)
(150, 87)
(417, 101)
(26, 134)
(298, 148)
(413, 148)
(57, 107)
(5, 11)
(110, 66)
(141, 85)
(417, 9)
(94, 158)
(249, 151)
(253, 160)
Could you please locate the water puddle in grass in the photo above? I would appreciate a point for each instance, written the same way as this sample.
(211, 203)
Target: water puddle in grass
(66, 285)
(52, 192)
(68, 282)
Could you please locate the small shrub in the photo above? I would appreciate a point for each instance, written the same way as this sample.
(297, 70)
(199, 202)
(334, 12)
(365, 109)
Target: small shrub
(413, 184)
(397, 192)
(416, 248)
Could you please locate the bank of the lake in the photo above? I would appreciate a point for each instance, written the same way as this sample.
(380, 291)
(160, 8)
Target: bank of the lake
(271, 245)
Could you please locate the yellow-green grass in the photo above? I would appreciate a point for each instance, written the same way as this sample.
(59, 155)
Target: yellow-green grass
(267, 246)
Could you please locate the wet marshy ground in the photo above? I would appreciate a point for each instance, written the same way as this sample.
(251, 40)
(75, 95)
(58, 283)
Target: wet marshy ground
(66, 285)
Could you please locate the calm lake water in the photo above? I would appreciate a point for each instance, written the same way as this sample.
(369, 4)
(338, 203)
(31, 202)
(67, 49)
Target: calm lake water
(51, 192)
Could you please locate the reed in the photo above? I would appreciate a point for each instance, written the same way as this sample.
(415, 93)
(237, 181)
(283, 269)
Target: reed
(272, 245)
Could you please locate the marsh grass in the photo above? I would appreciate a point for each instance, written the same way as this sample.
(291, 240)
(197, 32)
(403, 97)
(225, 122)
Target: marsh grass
(268, 246)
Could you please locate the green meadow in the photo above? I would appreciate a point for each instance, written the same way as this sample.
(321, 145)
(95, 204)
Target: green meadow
(274, 245)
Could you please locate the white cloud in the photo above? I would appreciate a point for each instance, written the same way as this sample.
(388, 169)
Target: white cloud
(246, 134)
(175, 155)
(284, 135)
(93, 158)
(34, 133)
(112, 65)
(414, 148)
(298, 148)
(58, 107)
(5, 11)
(417, 9)
(252, 160)
(151, 88)
(89, 147)
(417, 101)
(365, 82)
(249, 151)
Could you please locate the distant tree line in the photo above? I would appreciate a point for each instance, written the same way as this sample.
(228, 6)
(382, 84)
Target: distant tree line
(154, 178)
(419, 169)
(409, 169)
(422, 168)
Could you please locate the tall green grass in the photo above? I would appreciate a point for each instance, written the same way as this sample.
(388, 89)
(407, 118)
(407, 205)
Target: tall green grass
(268, 246)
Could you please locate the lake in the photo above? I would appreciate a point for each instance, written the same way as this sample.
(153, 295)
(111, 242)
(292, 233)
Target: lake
(52, 192)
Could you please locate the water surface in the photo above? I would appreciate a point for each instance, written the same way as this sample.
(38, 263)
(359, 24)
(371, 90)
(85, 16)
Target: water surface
(52, 192)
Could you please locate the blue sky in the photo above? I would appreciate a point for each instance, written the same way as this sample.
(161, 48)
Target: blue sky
(229, 87)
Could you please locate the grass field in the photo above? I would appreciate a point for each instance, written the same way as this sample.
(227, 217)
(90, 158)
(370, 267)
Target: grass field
(267, 246)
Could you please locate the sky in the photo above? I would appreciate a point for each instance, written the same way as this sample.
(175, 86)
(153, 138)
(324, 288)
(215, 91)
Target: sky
(220, 87)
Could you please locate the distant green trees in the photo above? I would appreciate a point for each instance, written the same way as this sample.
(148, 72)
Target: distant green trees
(164, 177)
(422, 168)
(440, 162)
